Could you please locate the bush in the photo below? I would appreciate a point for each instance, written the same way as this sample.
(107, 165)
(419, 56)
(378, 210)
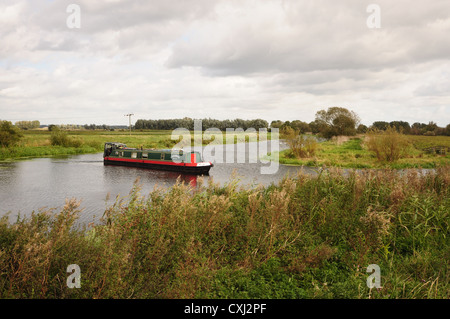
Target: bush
(301, 146)
(389, 145)
(60, 138)
(305, 237)
(9, 134)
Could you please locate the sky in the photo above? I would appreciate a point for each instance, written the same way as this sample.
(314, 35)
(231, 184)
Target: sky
(274, 60)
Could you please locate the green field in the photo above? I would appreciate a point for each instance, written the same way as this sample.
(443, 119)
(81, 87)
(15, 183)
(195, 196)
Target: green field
(349, 154)
(354, 154)
(38, 143)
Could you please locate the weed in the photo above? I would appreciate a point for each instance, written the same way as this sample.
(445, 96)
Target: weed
(305, 237)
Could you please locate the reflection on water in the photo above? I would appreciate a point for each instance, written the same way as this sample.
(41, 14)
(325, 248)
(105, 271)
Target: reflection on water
(46, 182)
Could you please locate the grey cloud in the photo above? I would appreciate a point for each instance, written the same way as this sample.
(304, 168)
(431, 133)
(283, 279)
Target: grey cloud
(327, 35)
(205, 58)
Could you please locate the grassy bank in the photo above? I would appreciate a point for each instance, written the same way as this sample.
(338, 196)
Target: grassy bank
(308, 237)
(38, 143)
(353, 154)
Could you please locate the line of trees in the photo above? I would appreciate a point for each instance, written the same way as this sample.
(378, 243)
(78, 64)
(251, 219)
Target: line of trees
(188, 123)
(340, 121)
(331, 122)
(27, 125)
(68, 127)
(430, 129)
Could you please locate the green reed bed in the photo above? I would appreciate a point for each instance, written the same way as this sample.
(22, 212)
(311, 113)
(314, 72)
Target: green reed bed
(354, 153)
(306, 237)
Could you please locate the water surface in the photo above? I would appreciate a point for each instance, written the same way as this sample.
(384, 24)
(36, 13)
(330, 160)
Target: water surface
(31, 185)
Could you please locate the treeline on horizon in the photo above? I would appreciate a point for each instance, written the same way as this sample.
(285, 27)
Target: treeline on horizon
(328, 123)
(430, 129)
(315, 127)
(207, 123)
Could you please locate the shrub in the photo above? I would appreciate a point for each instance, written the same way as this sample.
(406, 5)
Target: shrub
(301, 146)
(60, 138)
(9, 134)
(389, 145)
(305, 237)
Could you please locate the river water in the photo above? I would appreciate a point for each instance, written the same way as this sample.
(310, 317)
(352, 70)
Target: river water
(34, 184)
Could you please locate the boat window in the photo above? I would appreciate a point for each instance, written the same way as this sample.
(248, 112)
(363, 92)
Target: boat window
(121, 154)
(133, 155)
(162, 156)
(144, 155)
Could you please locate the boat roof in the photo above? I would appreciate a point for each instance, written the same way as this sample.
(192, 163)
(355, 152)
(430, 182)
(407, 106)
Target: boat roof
(148, 149)
(116, 143)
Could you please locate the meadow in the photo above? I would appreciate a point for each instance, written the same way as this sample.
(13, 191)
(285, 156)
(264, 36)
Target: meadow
(353, 153)
(306, 237)
(37, 143)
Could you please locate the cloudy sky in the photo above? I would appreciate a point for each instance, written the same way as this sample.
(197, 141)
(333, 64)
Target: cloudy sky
(223, 59)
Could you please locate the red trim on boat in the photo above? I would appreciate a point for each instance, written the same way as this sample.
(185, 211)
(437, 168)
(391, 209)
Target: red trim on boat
(149, 161)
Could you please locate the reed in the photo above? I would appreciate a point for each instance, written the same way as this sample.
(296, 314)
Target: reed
(305, 237)
(387, 150)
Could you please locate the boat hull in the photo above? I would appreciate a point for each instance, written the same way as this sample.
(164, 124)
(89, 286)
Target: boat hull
(175, 167)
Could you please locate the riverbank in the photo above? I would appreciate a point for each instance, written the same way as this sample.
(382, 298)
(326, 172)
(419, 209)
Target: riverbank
(352, 153)
(38, 143)
(306, 237)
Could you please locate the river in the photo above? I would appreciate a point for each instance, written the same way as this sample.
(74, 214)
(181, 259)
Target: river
(40, 183)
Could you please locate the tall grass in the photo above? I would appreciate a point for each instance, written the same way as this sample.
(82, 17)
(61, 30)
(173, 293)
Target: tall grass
(354, 153)
(300, 146)
(388, 145)
(306, 237)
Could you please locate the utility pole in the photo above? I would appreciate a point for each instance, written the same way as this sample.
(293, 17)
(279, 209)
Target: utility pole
(129, 120)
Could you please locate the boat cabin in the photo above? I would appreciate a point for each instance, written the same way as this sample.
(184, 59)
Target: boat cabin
(119, 154)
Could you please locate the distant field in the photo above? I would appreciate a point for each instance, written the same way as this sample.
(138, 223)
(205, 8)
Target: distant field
(37, 143)
(353, 154)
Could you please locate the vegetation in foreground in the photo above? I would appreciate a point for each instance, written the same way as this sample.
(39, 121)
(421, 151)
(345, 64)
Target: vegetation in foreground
(307, 237)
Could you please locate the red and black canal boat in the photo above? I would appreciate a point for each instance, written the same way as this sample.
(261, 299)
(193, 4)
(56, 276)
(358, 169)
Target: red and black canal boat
(163, 159)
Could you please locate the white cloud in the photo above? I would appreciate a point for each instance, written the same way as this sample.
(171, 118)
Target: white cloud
(223, 59)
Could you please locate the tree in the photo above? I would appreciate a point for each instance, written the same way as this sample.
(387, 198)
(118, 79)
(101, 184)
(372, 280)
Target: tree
(316, 126)
(301, 126)
(53, 127)
(401, 126)
(27, 125)
(388, 145)
(417, 128)
(9, 134)
(361, 129)
(337, 121)
(276, 124)
(301, 146)
(380, 125)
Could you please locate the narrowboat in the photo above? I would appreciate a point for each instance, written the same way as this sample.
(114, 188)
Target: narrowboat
(163, 159)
